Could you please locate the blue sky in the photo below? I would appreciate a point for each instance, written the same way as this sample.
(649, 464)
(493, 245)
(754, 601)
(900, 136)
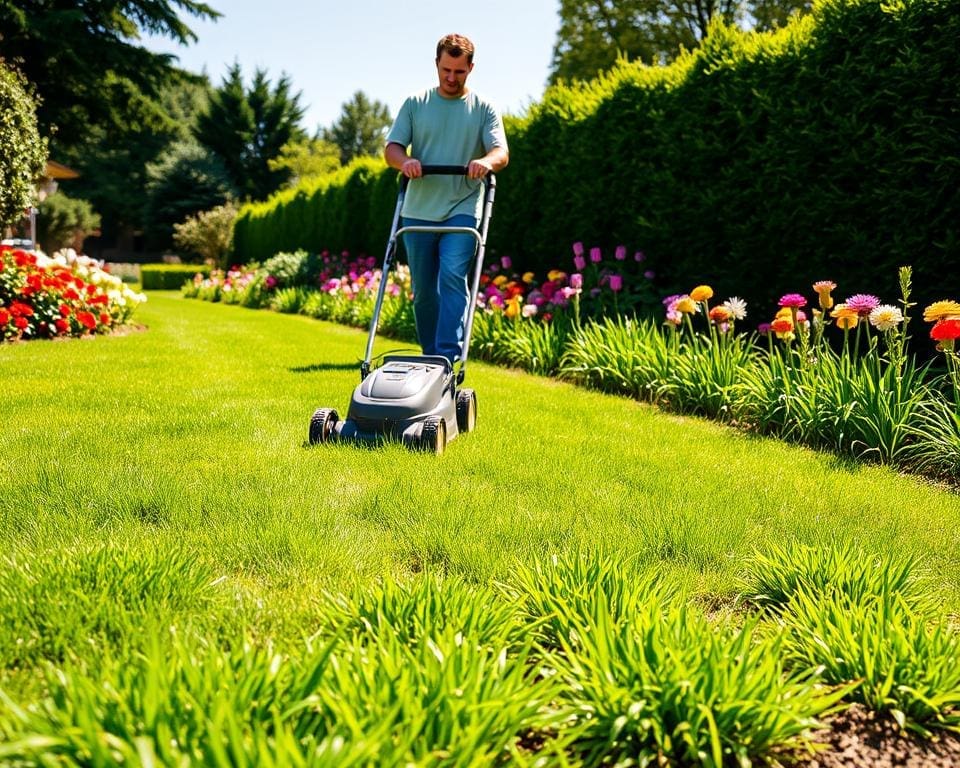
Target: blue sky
(330, 50)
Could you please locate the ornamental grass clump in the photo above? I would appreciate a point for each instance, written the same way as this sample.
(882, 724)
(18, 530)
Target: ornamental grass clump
(773, 577)
(895, 657)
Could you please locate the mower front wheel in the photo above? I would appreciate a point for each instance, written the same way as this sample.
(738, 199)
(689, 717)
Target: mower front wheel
(466, 410)
(433, 437)
(321, 425)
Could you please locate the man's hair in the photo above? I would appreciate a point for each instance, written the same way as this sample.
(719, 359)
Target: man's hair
(456, 46)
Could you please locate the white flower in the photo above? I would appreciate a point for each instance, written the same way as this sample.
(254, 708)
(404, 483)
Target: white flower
(737, 307)
(885, 317)
(529, 310)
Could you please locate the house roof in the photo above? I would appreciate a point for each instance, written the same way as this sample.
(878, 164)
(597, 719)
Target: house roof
(57, 170)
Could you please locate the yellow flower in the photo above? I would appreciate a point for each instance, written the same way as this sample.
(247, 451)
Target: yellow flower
(528, 277)
(686, 305)
(701, 293)
(513, 307)
(823, 289)
(941, 310)
(846, 318)
(499, 280)
(784, 312)
(556, 274)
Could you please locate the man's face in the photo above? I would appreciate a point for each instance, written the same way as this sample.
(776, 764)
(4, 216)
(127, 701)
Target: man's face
(453, 75)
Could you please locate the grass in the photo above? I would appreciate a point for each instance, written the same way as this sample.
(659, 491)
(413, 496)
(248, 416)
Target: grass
(187, 444)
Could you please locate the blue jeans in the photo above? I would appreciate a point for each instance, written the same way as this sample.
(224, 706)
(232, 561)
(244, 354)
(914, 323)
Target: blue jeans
(439, 267)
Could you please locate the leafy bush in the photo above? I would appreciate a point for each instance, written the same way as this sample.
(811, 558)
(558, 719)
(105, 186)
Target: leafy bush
(169, 277)
(209, 234)
(22, 151)
(64, 222)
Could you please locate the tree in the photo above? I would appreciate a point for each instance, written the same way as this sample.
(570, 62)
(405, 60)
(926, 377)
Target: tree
(306, 158)
(185, 179)
(22, 151)
(593, 33)
(65, 222)
(248, 128)
(361, 128)
(83, 61)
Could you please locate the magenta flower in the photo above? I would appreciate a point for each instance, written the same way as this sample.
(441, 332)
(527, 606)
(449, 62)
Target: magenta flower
(862, 303)
(649, 274)
(793, 300)
(576, 280)
(621, 253)
(595, 255)
(579, 262)
(763, 329)
(672, 299)
(638, 256)
(578, 248)
(616, 283)
(494, 268)
(505, 262)
(271, 281)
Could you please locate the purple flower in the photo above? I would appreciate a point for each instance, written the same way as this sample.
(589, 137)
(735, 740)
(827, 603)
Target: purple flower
(270, 281)
(638, 256)
(621, 253)
(505, 262)
(649, 274)
(763, 329)
(578, 248)
(579, 262)
(616, 283)
(594, 292)
(793, 300)
(862, 303)
(494, 268)
(595, 255)
(671, 299)
(576, 280)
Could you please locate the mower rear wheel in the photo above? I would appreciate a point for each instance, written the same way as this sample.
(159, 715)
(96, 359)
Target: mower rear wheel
(433, 437)
(466, 410)
(321, 425)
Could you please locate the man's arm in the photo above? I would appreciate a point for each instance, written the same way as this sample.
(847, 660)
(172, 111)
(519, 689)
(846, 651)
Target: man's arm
(495, 160)
(397, 157)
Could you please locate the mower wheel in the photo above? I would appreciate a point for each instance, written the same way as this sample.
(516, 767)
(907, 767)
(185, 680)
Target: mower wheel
(321, 425)
(433, 437)
(466, 410)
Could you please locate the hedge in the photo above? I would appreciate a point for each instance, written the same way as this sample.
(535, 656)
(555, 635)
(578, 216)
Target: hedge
(22, 151)
(757, 163)
(169, 277)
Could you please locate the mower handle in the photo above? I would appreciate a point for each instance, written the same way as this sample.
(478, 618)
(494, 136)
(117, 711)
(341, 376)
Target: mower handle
(447, 170)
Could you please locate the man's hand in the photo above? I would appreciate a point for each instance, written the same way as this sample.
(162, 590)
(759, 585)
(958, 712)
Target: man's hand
(479, 168)
(411, 168)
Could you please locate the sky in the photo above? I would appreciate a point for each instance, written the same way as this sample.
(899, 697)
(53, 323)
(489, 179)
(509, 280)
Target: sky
(332, 49)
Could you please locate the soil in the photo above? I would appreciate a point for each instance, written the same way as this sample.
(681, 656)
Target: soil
(860, 738)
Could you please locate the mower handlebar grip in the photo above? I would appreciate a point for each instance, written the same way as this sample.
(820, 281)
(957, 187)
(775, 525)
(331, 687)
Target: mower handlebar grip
(447, 170)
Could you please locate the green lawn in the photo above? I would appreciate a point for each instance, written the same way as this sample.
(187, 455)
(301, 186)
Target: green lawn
(186, 444)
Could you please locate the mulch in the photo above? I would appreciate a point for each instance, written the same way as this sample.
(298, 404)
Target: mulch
(861, 738)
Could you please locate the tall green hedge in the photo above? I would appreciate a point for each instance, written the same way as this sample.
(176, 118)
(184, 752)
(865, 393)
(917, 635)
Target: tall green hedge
(758, 163)
(22, 151)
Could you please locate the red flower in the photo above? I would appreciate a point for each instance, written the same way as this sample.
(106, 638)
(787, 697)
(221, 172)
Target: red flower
(4, 317)
(19, 309)
(105, 318)
(87, 320)
(21, 322)
(62, 325)
(946, 330)
(65, 310)
(71, 295)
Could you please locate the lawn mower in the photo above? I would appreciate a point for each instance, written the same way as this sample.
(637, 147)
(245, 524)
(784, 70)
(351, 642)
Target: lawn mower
(417, 399)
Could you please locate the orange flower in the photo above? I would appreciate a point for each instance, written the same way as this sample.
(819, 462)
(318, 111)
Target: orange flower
(941, 310)
(701, 293)
(782, 325)
(823, 289)
(720, 314)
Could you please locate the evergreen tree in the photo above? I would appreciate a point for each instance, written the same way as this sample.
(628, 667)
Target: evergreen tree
(246, 128)
(361, 128)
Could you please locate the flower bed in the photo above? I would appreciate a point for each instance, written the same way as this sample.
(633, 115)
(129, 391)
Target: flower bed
(59, 296)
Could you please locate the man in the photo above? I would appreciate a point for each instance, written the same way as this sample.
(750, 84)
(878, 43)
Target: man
(446, 125)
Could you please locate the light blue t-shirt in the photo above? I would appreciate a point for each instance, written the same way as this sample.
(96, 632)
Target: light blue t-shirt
(442, 131)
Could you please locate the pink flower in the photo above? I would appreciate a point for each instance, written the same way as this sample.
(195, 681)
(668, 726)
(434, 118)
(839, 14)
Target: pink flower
(621, 253)
(793, 300)
(616, 283)
(578, 248)
(763, 329)
(649, 274)
(638, 256)
(595, 255)
(576, 280)
(579, 262)
(505, 262)
(569, 292)
(862, 303)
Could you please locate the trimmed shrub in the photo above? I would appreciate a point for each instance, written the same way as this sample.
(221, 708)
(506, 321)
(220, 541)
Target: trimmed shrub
(22, 151)
(169, 277)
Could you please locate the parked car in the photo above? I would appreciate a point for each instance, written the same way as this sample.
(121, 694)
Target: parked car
(19, 242)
